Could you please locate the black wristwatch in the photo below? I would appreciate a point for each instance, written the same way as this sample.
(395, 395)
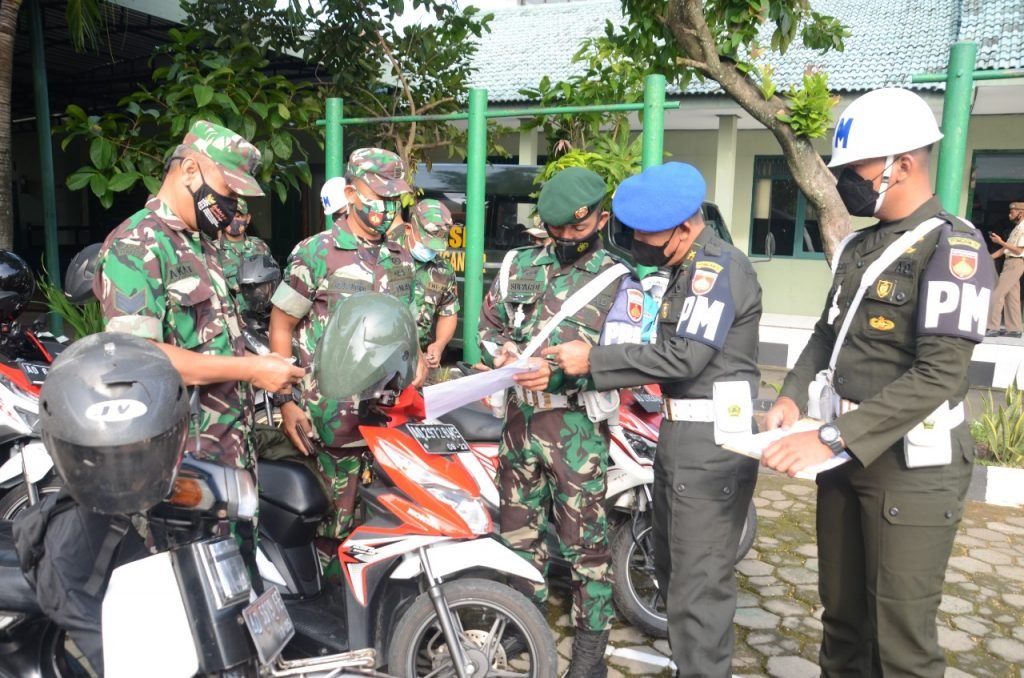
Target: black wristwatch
(829, 435)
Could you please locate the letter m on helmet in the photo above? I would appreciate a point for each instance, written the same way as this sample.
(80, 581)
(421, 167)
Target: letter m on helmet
(842, 132)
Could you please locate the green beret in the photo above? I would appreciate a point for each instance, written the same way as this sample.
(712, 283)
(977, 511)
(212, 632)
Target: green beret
(570, 196)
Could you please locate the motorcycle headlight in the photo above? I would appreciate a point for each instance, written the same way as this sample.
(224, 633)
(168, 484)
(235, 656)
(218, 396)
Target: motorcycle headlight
(470, 509)
(225, 572)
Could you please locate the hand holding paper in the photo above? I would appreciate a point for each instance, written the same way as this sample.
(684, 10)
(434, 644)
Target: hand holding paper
(449, 395)
(797, 451)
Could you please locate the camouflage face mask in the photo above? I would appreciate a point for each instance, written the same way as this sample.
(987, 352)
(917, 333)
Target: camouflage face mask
(378, 213)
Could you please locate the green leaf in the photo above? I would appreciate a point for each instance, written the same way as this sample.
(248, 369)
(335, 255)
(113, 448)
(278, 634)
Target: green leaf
(203, 94)
(101, 153)
(123, 181)
(283, 111)
(98, 184)
(282, 145)
(152, 184)
(80, 179)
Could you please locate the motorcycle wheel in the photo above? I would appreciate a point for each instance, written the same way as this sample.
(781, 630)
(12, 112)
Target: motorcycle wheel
(16, 500)
(635, 591)
(486, 613)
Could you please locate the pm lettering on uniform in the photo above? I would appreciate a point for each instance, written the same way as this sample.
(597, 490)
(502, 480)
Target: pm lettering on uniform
(702, 319)
(955, 309)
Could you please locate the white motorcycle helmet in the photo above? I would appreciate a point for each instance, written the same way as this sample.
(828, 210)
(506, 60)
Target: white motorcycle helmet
(885, 122)
(332, 195)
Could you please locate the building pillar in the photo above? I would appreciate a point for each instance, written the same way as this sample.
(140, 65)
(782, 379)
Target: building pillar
(725, 165)
(528, 142)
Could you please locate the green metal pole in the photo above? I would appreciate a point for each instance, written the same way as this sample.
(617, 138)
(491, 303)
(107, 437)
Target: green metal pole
(473, 289)
(1005, 74)
(956, 116)
(654, 120)
(42, 99)
(334, 138)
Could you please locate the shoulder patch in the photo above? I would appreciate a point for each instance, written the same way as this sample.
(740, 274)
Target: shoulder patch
(709, 310)
(956, 288)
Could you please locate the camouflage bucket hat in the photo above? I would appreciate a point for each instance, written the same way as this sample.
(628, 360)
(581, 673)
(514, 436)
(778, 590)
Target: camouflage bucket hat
(235, 156)
(382, 170)
(433, 221)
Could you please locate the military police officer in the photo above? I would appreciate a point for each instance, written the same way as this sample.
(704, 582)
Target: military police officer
(705, 358)
(159, 276)
(352, 256)
(436, 295)
(886, 367)
(236, 244)
(554, 451)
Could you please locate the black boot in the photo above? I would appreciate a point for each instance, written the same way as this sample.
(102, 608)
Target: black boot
(588, 655)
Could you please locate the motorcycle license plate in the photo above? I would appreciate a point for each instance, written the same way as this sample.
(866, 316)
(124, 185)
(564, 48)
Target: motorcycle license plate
(648, 402)
(269, 625)
(34, 372)
(438, 438)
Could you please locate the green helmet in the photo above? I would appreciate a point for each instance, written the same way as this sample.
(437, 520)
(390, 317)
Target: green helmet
(369, 345)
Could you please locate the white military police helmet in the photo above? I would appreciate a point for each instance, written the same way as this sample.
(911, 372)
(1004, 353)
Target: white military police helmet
(332, 195)
(881, 123)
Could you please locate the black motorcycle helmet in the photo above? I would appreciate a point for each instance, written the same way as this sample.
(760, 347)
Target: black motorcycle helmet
(80, 274)
(17, 285)
(369, 346)
(113, 413)
(258, 276)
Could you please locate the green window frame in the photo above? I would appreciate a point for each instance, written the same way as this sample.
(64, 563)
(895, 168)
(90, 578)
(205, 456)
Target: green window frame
(780, 208)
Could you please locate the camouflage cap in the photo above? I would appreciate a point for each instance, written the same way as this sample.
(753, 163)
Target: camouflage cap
(570, 196)
(235, 156)
(536, 232)
(433, 221)
(382, 170)
(243, 207)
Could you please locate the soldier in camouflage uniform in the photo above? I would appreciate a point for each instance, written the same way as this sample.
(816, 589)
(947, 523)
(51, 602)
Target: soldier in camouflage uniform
(237, 244)
(353, 256)
(436, 296)
(159, 276)
(553, 458)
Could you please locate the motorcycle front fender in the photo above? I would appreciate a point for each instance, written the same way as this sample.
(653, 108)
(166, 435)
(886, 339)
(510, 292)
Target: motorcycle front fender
(36, 460)
(449, 557)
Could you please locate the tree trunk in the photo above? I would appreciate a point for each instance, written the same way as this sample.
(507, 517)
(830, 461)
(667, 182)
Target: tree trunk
(685, 18)
(8, 31)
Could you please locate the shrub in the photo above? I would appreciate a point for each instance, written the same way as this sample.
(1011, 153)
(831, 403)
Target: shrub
(1000, 429)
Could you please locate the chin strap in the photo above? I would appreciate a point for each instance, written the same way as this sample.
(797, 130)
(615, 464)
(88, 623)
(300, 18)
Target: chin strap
(884, 186)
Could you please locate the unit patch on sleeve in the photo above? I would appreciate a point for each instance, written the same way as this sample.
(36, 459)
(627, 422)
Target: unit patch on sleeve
(956, 288)
(709, 310)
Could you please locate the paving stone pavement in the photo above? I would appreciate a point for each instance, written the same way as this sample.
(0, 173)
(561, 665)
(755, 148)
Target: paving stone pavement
(981, 618)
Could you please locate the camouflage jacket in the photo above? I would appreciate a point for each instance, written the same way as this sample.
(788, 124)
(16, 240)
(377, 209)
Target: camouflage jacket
(538, 285)
(159, 280)
(232, 253)
(322, 270)
(436, 296)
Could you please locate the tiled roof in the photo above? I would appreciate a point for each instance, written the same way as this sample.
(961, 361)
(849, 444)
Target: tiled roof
(891, 41)
(998, 28)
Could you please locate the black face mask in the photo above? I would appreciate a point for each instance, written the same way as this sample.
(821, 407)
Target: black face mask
(651, 255)
(236, 227)
(857, 193)
(214, 211)
(568, 251)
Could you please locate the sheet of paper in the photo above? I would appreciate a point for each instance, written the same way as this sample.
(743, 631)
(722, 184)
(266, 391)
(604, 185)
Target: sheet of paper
(754, 445)
(449, 395)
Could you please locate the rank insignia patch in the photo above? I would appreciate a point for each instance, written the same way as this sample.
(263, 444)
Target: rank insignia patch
(635, 305)
(881, 323)
(962, 263)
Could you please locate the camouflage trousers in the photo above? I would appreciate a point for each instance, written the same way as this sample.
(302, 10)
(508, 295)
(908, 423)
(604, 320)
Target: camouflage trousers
(342, 475)
(553, 463)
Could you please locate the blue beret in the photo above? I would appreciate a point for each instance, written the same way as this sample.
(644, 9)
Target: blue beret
(659, 198)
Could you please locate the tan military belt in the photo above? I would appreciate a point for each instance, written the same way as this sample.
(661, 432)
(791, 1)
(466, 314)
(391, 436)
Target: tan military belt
(688, 409)
(541, 400)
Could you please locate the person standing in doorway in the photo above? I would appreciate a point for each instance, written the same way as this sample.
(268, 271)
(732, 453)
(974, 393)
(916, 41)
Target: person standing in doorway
(1004, 311)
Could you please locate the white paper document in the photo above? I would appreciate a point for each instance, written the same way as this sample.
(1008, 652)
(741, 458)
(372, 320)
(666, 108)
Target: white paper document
(449, 395)
(754, 445)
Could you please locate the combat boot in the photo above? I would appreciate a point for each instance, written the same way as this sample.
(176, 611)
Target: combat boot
(588, 655)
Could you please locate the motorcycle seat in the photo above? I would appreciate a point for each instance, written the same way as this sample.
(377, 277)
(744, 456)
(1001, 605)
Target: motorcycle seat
(292, 486)
(15, 593)
(475, 422)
